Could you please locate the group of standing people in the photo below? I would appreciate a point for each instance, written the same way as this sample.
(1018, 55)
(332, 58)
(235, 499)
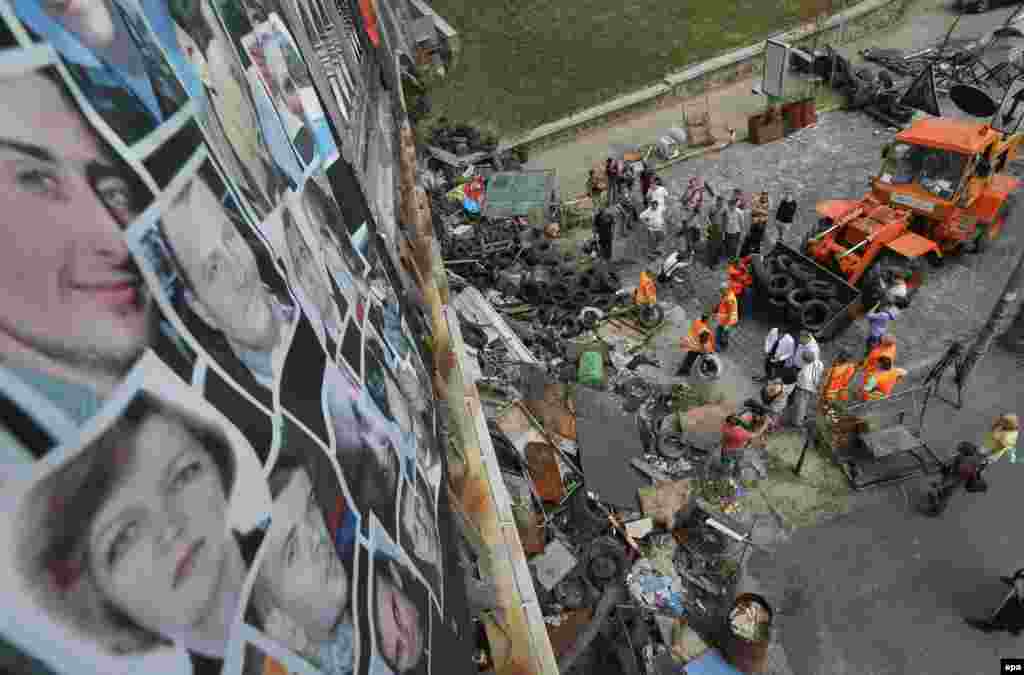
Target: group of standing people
(729, 226)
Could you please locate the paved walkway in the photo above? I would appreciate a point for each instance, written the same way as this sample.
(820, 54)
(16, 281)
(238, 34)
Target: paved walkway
(927, 22)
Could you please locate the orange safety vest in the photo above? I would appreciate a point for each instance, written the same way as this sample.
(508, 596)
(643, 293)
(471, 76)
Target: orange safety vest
(646, 293)
(884, 382)
(739, 277)
(691, 342)
(728, 310)
(839, 377)
(871, 362)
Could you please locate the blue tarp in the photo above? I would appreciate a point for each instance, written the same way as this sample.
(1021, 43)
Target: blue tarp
(710, 662)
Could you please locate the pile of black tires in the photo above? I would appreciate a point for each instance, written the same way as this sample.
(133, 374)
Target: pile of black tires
(561, 291)
(797, 293)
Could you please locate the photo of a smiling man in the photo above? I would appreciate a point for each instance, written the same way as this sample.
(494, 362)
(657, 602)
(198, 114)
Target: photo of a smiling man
(75, 314)
(399, 613)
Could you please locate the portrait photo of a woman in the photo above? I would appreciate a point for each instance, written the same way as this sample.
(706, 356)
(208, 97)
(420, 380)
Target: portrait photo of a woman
(130, 542)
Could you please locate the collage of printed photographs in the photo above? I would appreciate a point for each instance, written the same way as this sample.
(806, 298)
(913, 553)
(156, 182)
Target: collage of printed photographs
(219, 448)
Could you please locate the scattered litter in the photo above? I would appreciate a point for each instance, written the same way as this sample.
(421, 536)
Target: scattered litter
(638, 529)
(554, 564)
(654, 590)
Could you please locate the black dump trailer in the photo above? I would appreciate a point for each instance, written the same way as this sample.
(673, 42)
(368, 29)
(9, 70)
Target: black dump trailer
(792, 287)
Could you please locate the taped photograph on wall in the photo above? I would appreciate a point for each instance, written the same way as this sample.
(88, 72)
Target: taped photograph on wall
(237, 26)
(366, 446)
(418, 533)
(76, 312)
(129, 550)
(399, 608)
(203, 42)
(226, 289)
(304, 589)
(114, 59)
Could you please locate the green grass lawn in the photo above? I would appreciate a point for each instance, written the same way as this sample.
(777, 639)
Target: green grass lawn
(526, 63)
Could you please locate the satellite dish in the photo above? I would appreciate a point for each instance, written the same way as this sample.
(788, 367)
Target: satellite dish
(972, 100)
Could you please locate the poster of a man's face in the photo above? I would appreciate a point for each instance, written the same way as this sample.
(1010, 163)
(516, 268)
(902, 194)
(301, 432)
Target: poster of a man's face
(143, 538)
(113, 57)
(72, 302)
(225, 300)
(303, 593)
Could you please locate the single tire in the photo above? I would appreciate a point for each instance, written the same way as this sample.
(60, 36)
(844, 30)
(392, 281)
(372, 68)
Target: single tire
(558, 292)
(781, 285)
(581, 298)
(821, 289)
(784, 261)
(934, 259)
(708, 367)
(651, 316)
(603, 302)
(779, 303)
(835, 306)
(814, 315)
(795, 304)
(801, 272)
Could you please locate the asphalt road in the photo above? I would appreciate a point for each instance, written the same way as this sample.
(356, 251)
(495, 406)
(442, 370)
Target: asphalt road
(884, 590)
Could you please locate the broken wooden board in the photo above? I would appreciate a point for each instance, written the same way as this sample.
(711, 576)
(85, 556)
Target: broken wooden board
(542, 460)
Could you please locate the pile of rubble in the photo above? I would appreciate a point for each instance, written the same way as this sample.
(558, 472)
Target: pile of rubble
(640, 577)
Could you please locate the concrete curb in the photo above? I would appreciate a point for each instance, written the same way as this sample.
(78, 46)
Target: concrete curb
(672, 80)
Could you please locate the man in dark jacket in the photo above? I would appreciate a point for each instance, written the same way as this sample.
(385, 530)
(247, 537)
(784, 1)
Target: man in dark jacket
(604, 227)
(784, 216)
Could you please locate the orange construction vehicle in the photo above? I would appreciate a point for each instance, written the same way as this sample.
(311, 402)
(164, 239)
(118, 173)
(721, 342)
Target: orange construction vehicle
(940, 191)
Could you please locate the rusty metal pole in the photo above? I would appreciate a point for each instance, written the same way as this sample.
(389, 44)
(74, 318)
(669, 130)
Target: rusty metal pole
(997, 322)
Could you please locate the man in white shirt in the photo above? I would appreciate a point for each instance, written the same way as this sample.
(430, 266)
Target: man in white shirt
(779, 348)
(658, 192)
(807, 381)
(654, 219)
(807, 343)
(734, 228)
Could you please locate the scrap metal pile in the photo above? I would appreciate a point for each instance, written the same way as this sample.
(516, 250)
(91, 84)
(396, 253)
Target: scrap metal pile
(990, 63)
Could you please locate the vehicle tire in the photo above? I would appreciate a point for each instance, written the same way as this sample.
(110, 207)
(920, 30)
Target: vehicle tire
(814, 315)
(558, 292)
(603, 302)
(834, 306)
(801, 273)
(795, 304)
(934, 259)
(580, 298)
(651, 316)
(708, 367)
(979, 244)
(821, 289)
(781, 285)
(784, 261)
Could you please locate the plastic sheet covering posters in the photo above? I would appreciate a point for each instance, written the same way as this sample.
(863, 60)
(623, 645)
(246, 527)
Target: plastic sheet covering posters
(218, 445)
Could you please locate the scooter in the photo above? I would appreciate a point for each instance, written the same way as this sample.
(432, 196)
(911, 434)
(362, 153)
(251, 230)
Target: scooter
(963, 471)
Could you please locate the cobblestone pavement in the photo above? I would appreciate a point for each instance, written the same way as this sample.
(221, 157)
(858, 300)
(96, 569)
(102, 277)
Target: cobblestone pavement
(834, 160)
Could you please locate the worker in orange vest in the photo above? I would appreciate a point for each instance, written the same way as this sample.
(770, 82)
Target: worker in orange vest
(880, 384)
(838, 378)
(742, 282)
(728, 315)
(887, 348)
(699, 340)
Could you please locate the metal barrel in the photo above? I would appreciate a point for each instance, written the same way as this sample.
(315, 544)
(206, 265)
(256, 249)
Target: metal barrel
(747, 656)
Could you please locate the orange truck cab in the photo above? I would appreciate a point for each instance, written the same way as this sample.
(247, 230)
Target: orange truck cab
(940, 186)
